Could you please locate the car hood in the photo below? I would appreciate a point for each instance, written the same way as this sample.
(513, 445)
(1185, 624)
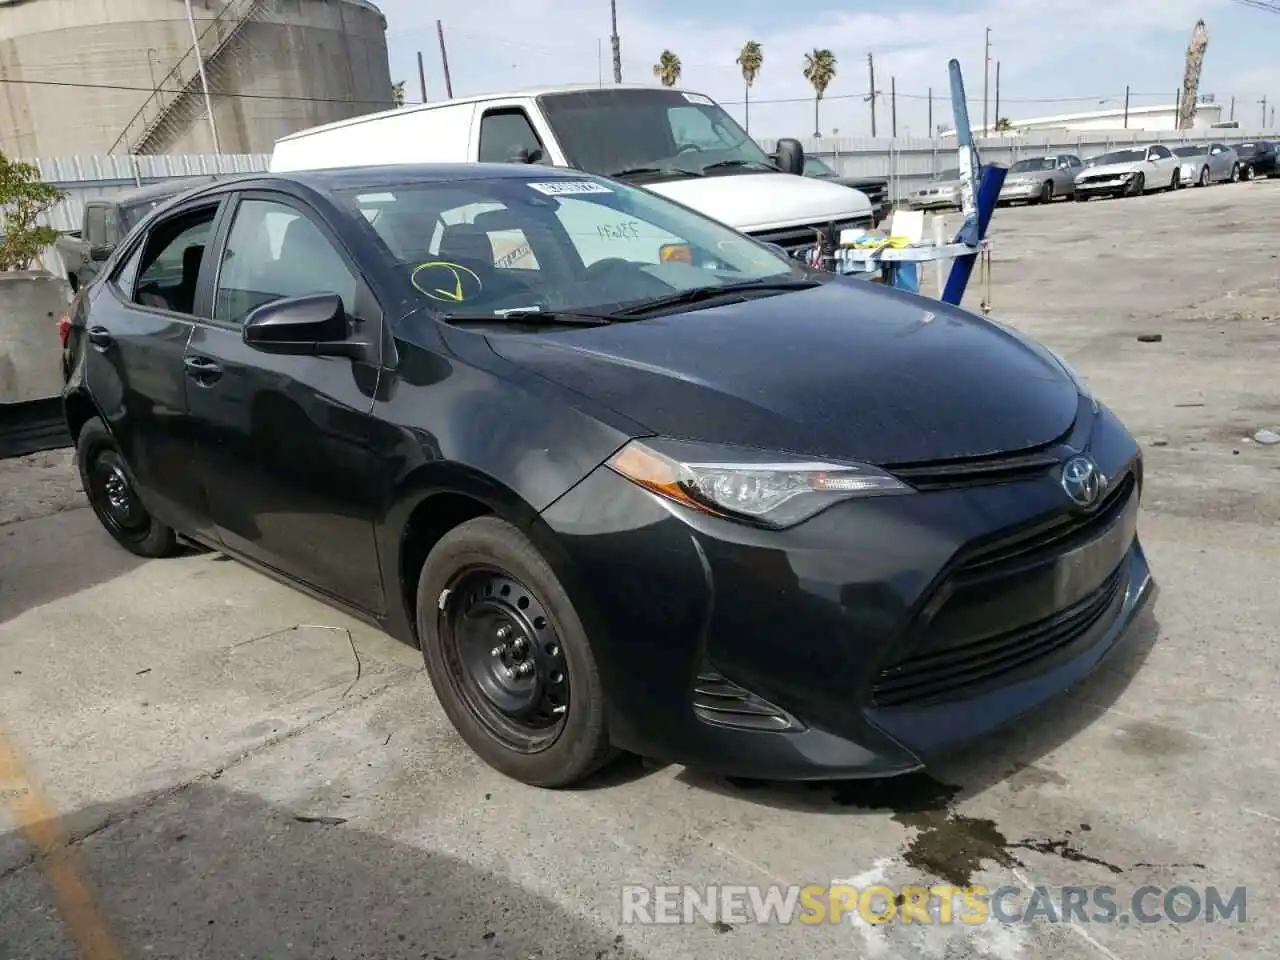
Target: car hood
(1111, 169)
(847, 370)
(763, 201)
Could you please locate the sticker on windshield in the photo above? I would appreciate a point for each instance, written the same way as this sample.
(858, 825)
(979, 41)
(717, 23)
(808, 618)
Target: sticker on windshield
(699, 98)
(560, 188)
(445, 281)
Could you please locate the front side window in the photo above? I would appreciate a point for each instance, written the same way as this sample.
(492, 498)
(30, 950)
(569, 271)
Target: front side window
(95, 224)
(559, 243)
(170, 265)
(664, 131)
(275, 251)
(507, 136)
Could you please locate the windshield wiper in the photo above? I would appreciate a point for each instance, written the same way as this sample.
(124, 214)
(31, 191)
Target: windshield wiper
(703, 294)
(758, 164)
(536, 318)
(664, 169)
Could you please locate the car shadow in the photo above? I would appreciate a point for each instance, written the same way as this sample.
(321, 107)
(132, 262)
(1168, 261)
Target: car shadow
(208, 873)
(991, 761)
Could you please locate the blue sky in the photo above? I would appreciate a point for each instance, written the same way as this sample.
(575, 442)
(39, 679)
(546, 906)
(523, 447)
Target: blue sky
(1055, 57)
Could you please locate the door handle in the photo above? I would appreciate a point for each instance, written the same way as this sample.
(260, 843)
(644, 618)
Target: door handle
(202, 369)
(100, 337)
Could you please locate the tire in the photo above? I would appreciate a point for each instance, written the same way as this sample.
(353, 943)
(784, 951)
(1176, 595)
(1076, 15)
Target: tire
(1235, 173)
(1046, 192)
(1139, 185)
(562, 737)
(1080, 197)
(112, 493)
(1204, 177)
(1246, 172)
(1175, 183)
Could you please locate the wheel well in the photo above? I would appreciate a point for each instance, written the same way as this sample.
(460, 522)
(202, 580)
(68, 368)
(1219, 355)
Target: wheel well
(431, 519)
(79, 411)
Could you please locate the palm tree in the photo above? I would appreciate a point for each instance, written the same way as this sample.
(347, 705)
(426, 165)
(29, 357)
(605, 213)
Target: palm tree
(750, 59)
(1003, 125)
(667, 69)
(397, 93)
(819, 70)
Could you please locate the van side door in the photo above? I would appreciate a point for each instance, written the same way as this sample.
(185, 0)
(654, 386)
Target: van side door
(513, 131)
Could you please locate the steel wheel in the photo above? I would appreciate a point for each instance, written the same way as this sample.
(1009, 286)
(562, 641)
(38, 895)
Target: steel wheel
(114, 499)
(505, 659)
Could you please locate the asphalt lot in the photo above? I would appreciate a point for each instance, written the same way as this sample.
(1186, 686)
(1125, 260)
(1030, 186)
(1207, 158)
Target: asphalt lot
(180, 716)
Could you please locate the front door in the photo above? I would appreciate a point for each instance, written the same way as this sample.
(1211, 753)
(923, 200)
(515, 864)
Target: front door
(285, 440)
(136, 340)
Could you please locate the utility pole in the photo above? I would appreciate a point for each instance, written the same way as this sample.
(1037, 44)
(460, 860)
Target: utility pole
(997, 93)
(599, 63)
(931, 111)
(986, 71)
(871, 68)
(893, 106)
(1263, 101)
(617, 44)
(1232, 114)
(1126, 107)
(444, 61)
(422, 77)
(204, 79)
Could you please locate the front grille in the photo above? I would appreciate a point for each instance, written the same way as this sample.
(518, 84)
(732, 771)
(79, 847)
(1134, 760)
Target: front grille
(877, 191)
(955, 648)
(957, 671)
(725, 704)
(795, 239)
(981, 471)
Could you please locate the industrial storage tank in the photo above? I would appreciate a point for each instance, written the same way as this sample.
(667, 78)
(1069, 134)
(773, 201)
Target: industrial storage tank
(92, 78)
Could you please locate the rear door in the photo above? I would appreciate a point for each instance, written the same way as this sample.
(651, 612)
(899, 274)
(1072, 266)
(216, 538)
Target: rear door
(137, 328)
(285, 442)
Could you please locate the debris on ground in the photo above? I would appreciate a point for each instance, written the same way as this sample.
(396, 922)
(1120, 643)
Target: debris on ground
(1267, 436)
(326, 821)
(1150, 337)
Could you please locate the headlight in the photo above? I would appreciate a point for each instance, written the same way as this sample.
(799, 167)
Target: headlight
(762, 487)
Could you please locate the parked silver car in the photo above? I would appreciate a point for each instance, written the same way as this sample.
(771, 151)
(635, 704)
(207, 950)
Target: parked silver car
(941, 192)
(1206, 163)
(1041, 179)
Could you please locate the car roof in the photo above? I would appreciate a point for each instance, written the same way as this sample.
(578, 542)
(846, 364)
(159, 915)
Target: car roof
(384, 176)
(152, 191)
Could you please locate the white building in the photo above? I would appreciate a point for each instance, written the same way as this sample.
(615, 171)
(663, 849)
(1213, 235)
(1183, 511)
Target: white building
(1158, 118)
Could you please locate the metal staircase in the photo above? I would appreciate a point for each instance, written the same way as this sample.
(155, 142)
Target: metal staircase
(181, 85)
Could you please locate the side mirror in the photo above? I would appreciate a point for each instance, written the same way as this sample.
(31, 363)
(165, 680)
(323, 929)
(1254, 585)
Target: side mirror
(524, 155)
(101, 252)
(791, 157)
(314, 325)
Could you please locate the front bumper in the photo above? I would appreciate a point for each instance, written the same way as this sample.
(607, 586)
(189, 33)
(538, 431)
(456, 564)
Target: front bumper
(868, 641)
(1104, 188)
(1020, 191)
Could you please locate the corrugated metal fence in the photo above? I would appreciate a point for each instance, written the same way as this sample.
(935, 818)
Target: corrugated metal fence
(906, 162)
(909, 162)
(84, 178)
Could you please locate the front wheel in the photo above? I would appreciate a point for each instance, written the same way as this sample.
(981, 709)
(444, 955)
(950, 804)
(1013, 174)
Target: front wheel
(112, 493)
(1246, 172)
(1175, 182)
(1139, 185)
(1204, 177)
(1046, 192)
(509, 657)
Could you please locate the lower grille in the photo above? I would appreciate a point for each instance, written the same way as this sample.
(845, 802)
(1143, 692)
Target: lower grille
(724, 703)
(956, 672)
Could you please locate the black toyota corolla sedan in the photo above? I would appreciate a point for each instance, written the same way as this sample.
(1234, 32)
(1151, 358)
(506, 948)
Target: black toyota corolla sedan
(630, 479)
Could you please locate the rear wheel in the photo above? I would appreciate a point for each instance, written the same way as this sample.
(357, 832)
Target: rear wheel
(114, 497)
(1235, 173)
(509, 657)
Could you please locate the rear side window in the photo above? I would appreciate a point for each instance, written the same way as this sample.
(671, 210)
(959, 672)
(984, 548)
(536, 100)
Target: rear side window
(507, 136)
(171, 259)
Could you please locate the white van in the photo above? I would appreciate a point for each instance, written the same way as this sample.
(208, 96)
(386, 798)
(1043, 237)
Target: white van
(676, 143)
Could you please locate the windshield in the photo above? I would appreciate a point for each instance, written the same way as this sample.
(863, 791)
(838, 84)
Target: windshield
(1188, 151)
(558, 243)
(609, 131)
(1033, 164)
(1119, 156)
(813, 167)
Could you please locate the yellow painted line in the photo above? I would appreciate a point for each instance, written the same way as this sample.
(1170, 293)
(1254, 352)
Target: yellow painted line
(39, 823)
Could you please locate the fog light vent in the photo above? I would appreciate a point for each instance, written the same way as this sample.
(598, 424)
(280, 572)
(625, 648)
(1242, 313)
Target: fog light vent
(725, 704)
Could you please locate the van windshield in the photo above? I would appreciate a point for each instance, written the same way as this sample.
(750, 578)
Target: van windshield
(650, 132)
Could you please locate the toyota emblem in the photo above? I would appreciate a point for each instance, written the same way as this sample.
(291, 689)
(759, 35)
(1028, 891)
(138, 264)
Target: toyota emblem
(1082, 481)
